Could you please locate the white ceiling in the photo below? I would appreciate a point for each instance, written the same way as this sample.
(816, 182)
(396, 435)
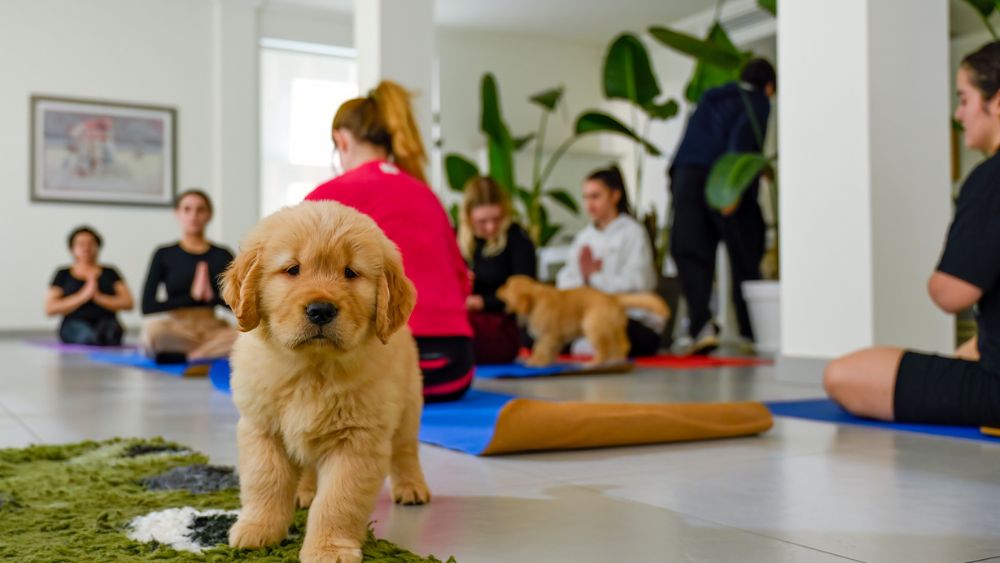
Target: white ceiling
(591, 21)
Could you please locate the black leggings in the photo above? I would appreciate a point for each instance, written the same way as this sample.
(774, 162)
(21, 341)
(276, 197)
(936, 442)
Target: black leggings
(447, 364)
(644, 340)
(104, 332)
(694, 239)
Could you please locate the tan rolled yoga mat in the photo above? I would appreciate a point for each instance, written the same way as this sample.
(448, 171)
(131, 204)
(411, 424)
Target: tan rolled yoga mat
(530, 425)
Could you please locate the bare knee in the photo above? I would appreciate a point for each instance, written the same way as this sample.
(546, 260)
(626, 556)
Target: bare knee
(837, 378)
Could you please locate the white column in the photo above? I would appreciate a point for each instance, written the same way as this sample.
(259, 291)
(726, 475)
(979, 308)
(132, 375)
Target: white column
(235, 110)
(864, 170)
(395, 41)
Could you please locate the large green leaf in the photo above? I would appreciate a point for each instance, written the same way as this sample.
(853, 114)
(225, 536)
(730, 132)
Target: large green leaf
(627, 72)
(548, 99)
(769, 5)
(563, 198)
(731, 175)
(500, 145)
(706, 51)
(525, 196)
(519, 142)
(707, 75)
(599, 122)
(663, 111)
(984, 7)
(501, 162)
(459, 169)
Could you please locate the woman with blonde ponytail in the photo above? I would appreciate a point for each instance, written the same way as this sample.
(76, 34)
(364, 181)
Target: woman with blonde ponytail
(383, 159)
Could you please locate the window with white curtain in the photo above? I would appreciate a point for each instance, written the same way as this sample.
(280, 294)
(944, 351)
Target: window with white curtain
(301, 87)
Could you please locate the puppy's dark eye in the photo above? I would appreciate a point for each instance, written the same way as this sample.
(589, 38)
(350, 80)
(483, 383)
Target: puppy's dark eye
(293, 271)
(350, 274)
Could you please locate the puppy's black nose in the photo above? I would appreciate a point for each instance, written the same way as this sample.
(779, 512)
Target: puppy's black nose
(320, 313)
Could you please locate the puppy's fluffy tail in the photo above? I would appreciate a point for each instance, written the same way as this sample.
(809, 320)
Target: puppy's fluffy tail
(648, 301)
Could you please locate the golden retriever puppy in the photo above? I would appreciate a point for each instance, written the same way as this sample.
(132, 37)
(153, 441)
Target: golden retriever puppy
(556, 317)
(325, 377)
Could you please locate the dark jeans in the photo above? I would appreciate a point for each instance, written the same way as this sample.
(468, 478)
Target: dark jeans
(496, 337)
(694, 239)
(448, 367)
(104, 332)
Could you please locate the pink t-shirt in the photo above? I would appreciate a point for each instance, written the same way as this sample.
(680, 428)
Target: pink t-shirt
(412, 217)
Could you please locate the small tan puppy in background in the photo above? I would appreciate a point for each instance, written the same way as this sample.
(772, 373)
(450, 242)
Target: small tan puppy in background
(325, 377)
(556, 317)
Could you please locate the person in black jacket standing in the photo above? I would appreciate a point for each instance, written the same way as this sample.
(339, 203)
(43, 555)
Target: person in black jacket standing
(728, 118)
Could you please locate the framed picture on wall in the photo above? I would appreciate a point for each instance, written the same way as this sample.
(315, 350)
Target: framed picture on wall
(85, 151)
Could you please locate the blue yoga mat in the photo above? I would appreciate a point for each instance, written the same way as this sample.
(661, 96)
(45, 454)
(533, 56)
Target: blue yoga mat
(465, 425)
(135, 360)
(825, 410)
(218, 374)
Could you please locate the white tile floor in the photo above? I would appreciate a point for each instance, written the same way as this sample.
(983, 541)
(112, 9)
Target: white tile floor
(802, 492)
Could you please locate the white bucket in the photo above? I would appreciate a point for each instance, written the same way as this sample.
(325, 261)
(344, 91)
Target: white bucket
(763, 299)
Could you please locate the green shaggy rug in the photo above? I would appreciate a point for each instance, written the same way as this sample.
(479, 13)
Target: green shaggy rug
(132, 500)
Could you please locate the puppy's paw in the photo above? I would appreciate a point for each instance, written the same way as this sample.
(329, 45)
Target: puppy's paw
(304, 496)
(331, 554)
(411, 492)
(253, 535)
(537, 361)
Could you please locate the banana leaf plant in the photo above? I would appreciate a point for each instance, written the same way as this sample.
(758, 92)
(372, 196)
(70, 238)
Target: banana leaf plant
(628, 76)
(985, 9)
(719, 62)
(502, 146)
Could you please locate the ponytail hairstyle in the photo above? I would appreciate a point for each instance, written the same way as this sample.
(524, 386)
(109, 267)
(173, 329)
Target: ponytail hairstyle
(612, 178)
(384, 118)
(478, 191)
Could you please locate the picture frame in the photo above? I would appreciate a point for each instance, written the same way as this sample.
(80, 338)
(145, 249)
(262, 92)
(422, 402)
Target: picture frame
(102, 152)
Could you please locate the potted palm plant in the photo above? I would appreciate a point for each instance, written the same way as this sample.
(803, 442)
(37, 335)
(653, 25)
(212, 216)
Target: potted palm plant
(718, 62)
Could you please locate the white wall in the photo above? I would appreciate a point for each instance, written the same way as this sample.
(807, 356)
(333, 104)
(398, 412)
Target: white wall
(88, 54)
(142, 51)
(864, 176)
(295, 23)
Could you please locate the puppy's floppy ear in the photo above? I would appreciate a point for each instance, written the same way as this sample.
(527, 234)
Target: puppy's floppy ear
(396, 295)
(523, 300)
(239, 287)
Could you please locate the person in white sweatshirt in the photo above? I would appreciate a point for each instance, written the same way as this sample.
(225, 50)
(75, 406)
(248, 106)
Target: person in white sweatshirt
(613, 254)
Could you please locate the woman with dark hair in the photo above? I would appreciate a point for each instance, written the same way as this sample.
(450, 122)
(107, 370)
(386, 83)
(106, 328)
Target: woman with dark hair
(613, 254)
(496, 248)
(88, 295)
(964, 389)
(189, 271)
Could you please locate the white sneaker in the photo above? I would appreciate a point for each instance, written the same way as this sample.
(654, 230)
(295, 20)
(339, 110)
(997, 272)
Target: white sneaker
(706, 342)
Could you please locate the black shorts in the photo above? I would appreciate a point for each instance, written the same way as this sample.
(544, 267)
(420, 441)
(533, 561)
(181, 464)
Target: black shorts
(934, 389)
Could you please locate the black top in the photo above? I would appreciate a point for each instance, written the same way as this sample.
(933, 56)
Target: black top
(89, 312)
(518, 257)
(972, 252)
(174, 267)
(721, 123)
